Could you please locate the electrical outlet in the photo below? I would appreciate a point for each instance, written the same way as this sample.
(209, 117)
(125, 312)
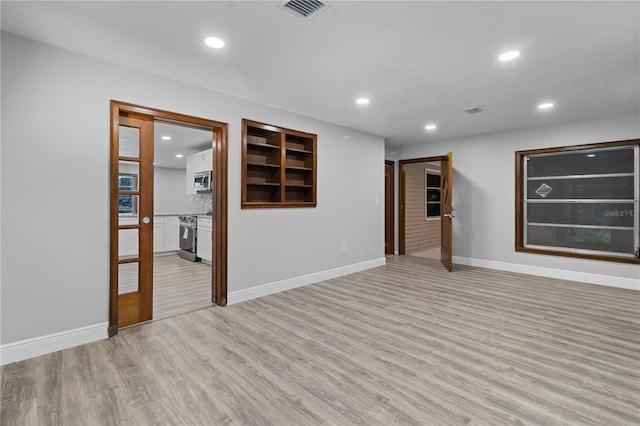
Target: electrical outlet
(343, 246)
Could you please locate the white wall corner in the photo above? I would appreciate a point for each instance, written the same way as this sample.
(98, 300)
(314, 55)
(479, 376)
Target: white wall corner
(30, 348)
(291, 283)
(606, 280)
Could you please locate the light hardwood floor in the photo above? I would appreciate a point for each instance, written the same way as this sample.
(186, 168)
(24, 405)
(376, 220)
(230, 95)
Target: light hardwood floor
(432, 253)
(179, 286)
(406, 343)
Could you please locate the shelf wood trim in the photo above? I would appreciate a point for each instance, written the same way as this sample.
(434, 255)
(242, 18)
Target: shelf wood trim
(253, 164)
(299, 151)
(294, 147)
(263, 183)
(262, 145)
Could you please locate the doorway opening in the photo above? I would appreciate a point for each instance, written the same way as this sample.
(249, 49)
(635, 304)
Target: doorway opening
(153, 153)
(426, 209)
(182, 220)
(389, 195)
(422, 209)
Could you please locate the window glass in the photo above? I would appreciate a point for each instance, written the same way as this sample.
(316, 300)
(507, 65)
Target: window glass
(581, 200)
(432, 195)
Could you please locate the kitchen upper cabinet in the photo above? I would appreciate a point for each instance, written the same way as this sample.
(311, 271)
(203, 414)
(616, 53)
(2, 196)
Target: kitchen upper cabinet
(198, 162)
(203, 248)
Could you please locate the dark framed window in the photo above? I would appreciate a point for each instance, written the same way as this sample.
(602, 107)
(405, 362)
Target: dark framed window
(580, 201)
(432, 195)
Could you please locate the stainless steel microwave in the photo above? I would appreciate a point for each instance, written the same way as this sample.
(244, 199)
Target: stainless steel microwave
(202, 181)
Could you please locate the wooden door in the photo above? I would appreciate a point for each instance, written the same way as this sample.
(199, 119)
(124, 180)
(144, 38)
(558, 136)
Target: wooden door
(131, 218)
(389, 235)
(446, 192)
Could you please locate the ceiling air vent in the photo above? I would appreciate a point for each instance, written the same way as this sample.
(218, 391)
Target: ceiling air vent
(475, 110)
(304, 8)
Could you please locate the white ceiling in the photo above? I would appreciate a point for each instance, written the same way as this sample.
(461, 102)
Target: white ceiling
(418, 62)
(184, 141)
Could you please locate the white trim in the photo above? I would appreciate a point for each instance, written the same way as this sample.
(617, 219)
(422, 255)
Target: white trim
(606, 280)
(288, 284)
(29, 348)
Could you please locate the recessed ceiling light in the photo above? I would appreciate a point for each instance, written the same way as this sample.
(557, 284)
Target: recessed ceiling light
(508, 56)
(591, 155)
(362, 101)
(430, 127)
(179, 155)
(214, 42)
(546, 105)
(166, 138)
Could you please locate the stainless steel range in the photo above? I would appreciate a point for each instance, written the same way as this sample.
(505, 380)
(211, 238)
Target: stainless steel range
(188, 239)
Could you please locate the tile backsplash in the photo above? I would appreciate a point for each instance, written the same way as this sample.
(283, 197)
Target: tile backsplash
(202, 202)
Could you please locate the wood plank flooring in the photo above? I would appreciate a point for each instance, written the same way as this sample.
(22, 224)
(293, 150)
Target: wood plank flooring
(179, 286)
(406, 343)
(432, 253)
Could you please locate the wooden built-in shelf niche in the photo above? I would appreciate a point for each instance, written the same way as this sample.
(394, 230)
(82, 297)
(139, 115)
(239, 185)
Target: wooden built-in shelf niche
(278, 166)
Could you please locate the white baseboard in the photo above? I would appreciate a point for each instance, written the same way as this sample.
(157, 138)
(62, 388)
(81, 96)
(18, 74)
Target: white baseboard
(607, 280)
(29, 348)
(288, 284)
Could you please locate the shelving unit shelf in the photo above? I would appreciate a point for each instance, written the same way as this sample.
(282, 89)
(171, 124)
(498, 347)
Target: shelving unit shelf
(278, 166)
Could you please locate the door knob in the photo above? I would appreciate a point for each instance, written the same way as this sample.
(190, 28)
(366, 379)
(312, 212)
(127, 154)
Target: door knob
(146, 219)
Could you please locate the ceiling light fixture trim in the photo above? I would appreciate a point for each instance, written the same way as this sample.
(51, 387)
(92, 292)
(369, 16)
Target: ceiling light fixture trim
(214, 42)
(509, 56)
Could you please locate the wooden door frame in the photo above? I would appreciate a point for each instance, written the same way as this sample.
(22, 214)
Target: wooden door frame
(389, 219)
(220, 171)
(402, 196)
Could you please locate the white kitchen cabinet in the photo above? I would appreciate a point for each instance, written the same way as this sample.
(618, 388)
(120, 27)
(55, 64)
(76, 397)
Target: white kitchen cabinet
(198, 162)
(158, 234)
(171, 231)
(165, 233)
(203, 248)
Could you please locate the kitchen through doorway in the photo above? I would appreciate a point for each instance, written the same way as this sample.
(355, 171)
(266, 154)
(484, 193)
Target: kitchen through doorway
(182, 219)
(168, 214)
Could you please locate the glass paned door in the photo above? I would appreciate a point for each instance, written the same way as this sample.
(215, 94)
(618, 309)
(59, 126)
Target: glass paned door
(132, 214)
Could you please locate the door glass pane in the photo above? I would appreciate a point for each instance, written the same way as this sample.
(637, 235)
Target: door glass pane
(129, 142)
(128, 175)
(128, 205)
(127, 277)
(127, 243)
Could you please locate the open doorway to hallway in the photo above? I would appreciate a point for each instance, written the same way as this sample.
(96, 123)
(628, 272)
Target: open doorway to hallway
(422, 209)
(426, 199)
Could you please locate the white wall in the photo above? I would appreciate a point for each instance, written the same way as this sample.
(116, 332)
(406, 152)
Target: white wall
(484, 197)
(169, 194)
(55, 239)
